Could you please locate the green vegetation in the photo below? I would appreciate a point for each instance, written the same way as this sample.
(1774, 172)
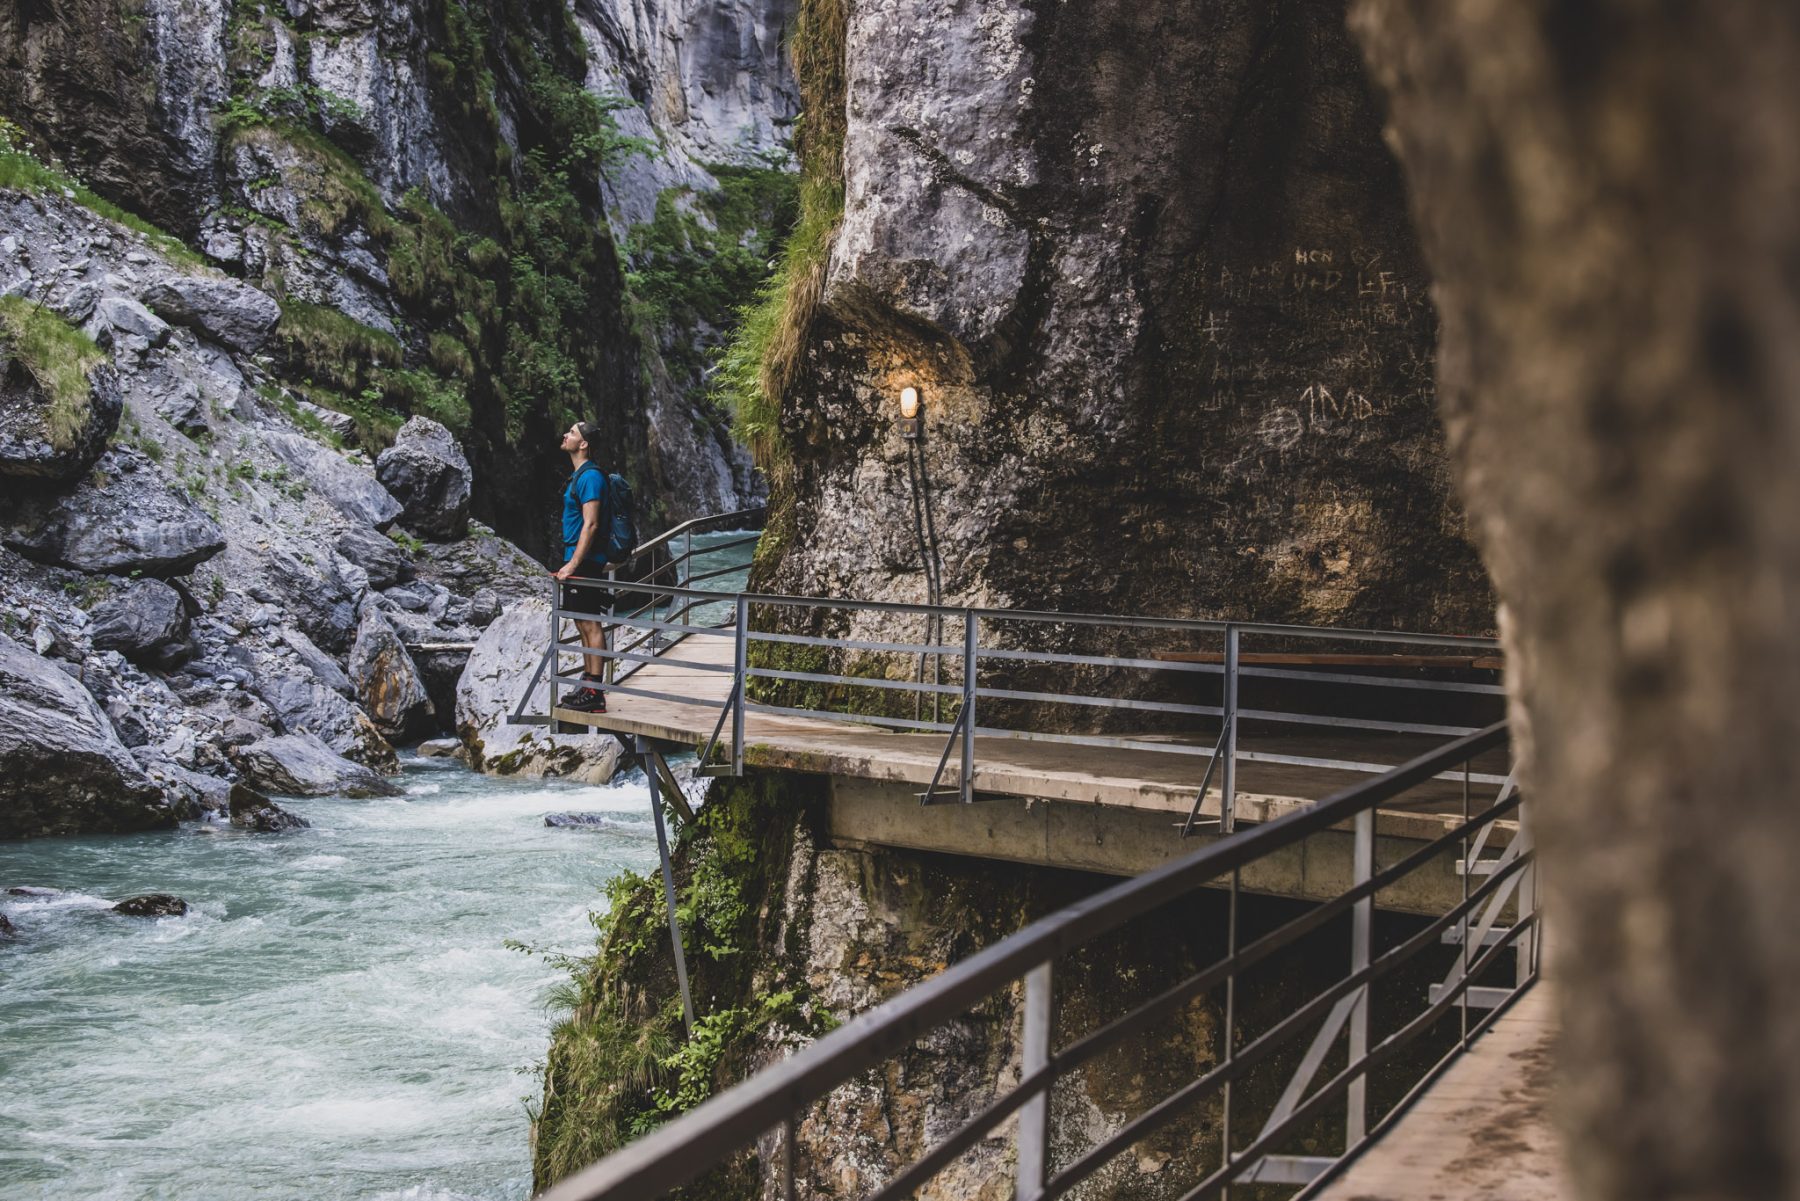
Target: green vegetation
(620, 1062)
(23, 171)
(704, 257)
(59, 356)
(333, 349)
(763, 358)
(406, 541)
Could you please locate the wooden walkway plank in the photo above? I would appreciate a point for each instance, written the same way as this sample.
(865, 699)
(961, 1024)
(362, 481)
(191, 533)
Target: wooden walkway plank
(1481, 1132)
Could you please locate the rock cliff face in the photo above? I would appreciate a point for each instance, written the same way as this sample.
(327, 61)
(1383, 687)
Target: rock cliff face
(1166, 312)
(428, 190)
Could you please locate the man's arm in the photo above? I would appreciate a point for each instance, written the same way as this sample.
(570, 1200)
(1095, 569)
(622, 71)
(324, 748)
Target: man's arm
(590, 529)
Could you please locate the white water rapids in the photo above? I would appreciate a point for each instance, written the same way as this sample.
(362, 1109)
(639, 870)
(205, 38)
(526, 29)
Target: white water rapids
(335, 1018)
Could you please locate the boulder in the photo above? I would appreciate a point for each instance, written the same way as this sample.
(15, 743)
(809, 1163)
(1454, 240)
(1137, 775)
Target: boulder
(152, 904)
(320, 597)
(307, 705)
(350, 487)
(62, 770)
(387, 681)
(484, 560)
(45, 441)
(318, 662)
(426, 471)
(122, 321)
(439, 748)
(301, 765)
(146, 622)
(129, 519)
(7, 929)
(499, 667)
(484, 606)
(251, 810)
(385, 561)
(194, 795)
(228, 311)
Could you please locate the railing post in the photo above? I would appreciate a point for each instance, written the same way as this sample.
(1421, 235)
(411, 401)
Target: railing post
(1033, 1137)
(1528, 941)
(555, 655)
(1228, 783)
(1362, 921)
(968, 709)
(741, 661)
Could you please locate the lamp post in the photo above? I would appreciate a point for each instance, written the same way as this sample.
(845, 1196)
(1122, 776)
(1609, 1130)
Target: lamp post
(911, 424)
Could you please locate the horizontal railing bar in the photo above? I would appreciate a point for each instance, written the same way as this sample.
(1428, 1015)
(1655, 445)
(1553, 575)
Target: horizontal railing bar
(1332, 677)
(645, 623)
(813, 677)
(627, 656)
(1115, 742)
(1353, 723)
(1311, 633)
(693, 524)
(675, 1153)
(1129, 622)
(1097, 702)
(1355, 766)
(1096, 660)
(645, 692)
(867, 719)
(730, 569)
(853, 644)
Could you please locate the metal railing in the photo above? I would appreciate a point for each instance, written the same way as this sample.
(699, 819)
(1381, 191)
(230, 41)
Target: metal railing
(1493, 928)
(1363, 705)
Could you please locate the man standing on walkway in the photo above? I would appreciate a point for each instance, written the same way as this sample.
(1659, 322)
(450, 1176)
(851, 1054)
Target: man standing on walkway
(584, 549)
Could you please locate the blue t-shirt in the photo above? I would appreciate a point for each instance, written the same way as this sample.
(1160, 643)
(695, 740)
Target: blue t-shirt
(588, 484)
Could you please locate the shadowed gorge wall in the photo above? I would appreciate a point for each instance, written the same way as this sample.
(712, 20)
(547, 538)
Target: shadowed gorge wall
(1152, 268)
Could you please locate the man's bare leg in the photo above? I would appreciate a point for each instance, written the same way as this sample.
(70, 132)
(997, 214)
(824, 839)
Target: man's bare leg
(593, 636)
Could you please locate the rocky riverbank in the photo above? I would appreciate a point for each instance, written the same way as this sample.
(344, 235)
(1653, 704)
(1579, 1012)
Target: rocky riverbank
(201, 588)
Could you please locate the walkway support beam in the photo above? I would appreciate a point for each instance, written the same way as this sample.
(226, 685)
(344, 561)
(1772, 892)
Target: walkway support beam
(654, 769)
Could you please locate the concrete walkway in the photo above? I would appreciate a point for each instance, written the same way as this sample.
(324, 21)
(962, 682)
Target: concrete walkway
(1482, 1132)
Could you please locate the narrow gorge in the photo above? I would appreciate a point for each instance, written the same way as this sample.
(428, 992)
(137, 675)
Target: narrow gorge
(296, 300)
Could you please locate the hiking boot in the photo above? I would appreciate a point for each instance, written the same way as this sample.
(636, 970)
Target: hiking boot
(586, 700)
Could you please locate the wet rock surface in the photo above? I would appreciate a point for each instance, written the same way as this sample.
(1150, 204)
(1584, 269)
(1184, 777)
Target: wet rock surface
(62, 769)
(153, 904)
(302, 765)
(251, 810)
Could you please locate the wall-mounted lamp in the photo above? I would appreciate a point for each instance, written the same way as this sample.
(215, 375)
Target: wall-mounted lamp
(911, 424)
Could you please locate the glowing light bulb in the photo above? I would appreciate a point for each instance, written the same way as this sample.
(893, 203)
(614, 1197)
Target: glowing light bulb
(909, 403)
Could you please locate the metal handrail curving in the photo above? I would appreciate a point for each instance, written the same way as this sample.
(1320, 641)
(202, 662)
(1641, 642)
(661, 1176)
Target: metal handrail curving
(775, 1098)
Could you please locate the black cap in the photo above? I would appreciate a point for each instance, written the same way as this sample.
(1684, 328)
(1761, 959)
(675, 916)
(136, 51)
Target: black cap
(590, 433)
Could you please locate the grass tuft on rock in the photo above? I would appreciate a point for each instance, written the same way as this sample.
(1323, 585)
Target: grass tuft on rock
(22, 171)
(59, 356)
(761, 361)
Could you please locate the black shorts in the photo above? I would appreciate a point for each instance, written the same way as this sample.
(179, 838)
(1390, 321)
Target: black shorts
(586, 598)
